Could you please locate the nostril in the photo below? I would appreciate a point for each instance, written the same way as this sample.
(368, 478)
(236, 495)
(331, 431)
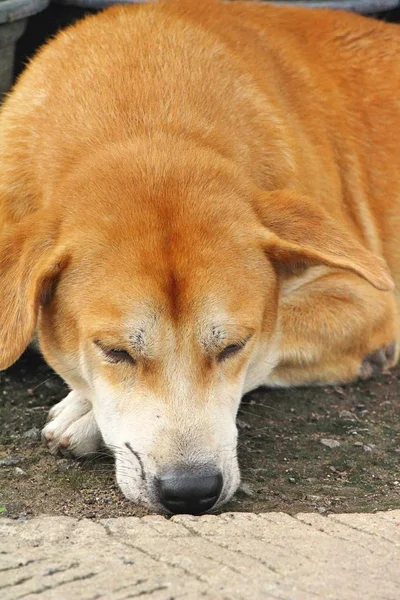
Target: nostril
(188, 494)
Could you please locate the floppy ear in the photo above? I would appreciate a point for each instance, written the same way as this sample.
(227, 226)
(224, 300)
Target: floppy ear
(30, 261)
(299, 233)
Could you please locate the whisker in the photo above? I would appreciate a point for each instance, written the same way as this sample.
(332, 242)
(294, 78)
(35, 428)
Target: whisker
(256, 415)
(258, 404)
(55, 375)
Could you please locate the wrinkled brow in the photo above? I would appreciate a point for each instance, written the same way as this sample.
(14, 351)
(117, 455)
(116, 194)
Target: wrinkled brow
(218, 335)
(141, 334)
(137, 340)
(213, 338)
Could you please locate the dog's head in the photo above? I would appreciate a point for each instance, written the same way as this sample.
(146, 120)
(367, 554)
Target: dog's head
(153, 290)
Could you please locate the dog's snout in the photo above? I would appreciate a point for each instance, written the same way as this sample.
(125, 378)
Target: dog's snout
(189, 494)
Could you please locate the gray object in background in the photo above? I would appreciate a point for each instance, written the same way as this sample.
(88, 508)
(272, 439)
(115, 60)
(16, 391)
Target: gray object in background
(361, 6)
(13, 20)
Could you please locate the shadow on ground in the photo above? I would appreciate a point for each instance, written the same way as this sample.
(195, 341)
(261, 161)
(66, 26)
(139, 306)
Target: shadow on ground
(332, 449)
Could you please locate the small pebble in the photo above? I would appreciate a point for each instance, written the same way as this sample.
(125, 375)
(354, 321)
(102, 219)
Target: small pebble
(51, 571)
(19, 472)
(339, 391)
(33, 434)
(64, 464)
(330, 443)
(9, 461)
(246, 489)
(347, 415)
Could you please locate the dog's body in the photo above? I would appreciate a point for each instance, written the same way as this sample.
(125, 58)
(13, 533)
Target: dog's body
(199, 199)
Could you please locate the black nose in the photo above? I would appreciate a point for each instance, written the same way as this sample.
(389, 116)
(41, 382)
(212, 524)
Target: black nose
(188, 494)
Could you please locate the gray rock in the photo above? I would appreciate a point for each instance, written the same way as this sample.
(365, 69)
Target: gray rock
(314, 498)
(9, 461)
(246, 489)
(19, 472)
(33, 434)
(330, 443)
(348, 415)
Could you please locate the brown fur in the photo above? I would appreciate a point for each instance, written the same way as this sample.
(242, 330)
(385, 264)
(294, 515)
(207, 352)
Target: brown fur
(180, 153)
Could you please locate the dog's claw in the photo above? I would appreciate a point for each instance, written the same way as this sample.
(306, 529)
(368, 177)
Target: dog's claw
(47, 436)
(64, 442)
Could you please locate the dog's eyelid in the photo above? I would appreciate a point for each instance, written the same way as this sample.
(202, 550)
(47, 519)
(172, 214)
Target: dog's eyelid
(232, 349)
(115, 355)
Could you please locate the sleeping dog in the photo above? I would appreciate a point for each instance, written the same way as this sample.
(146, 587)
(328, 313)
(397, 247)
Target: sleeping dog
(196, 201)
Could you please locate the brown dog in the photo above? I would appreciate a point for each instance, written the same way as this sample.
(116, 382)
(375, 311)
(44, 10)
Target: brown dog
(196, 201)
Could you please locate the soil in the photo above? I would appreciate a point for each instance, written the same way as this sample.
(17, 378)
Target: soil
(330, 449)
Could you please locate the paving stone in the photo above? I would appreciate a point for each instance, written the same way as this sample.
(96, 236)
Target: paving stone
(232, 556)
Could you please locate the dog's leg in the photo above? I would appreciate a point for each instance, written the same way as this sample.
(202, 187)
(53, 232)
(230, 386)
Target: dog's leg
(72, 427)
(335, 328)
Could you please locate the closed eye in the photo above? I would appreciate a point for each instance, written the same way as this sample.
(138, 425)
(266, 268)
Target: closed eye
(231, 350)
(115, 355)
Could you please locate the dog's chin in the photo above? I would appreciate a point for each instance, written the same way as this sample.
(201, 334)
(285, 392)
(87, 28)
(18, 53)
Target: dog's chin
(131, 483)
(231, 484)
(138, 490)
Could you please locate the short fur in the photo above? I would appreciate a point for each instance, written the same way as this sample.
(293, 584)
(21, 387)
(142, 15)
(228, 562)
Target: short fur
(180, 180)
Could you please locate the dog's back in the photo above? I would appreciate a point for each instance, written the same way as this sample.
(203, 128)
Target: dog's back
(299, 98)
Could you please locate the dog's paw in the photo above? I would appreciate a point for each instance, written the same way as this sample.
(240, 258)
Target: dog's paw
(72, 428)
(379, 361)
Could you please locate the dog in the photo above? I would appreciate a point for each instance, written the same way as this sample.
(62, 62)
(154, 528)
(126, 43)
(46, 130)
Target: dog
(196, 201)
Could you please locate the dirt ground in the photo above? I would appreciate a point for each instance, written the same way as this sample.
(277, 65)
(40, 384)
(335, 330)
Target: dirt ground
(310, 449)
